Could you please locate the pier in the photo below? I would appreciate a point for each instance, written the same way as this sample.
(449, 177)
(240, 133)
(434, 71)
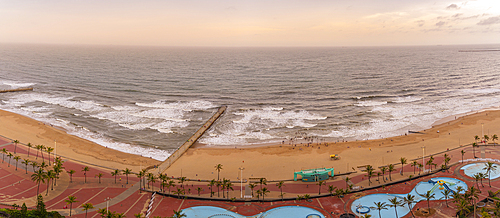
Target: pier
(16, 90)
(184, 147)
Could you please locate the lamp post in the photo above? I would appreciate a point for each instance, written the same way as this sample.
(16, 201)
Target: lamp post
(482, 131)
(241, 181)
(55, 151)
(423, 155)
(107, 201)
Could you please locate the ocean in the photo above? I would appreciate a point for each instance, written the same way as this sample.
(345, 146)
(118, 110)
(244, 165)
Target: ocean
(149, 100)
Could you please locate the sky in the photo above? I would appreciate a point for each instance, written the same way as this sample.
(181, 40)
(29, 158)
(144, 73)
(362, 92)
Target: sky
(255, 23)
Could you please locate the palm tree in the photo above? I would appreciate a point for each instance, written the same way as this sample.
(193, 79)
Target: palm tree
(211, 184)
(71, 199)
(34, 164)
(403, 162)
(409, 200)
(395, 203)
(489, 166)
(152, 178)
(262, 181)
(15, 145)
(446, 193)
(320, 183)
(486, 138)
(264, 192)
(43, 165)
(71, 172)
(26, 162)
(252, 186)
(179, 192)
(38, 177)
(17, 160)
(49, 149)
(199, 189)
(428, 196)
(280, 185)
(172, 184)
(383, 169)
(379, 206)
(370, 175)
(38, 147)
(446, 160)
(86, 207)
(42, 148)
(414, 164)
(218, 167)
(347, 179)
(228, 185)
(126, 172)
(49, 175)
(178, 214)
(4, 152)
(99, 175)
(493, 138)
(117, 172)
(10, 157)
(29, 147)
(463, 152)
(85, 169)
(477, 177)
(391, 168)
(331, 189)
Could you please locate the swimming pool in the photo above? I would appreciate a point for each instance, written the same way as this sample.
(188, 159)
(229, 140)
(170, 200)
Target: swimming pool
(421, 188)
(473, 168)
(285, 211)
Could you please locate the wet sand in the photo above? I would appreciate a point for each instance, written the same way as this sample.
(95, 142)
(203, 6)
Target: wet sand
(24, 129)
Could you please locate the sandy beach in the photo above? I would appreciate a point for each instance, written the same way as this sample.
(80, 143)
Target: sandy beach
(27, 130)
(278, 162)
(273, 162)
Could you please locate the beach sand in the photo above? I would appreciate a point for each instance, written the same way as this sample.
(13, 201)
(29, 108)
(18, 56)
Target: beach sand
(278, 162)
(273, 162)
(24, 129)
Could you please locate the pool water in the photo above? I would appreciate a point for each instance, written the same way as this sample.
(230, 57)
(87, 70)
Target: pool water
(474, 168)
(421, 188)
(285, 211)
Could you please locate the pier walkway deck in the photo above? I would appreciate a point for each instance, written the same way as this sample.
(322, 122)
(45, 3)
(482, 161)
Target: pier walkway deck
(178, 153)
(16, 90)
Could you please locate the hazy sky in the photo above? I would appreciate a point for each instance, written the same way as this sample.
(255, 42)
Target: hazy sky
(251, 23)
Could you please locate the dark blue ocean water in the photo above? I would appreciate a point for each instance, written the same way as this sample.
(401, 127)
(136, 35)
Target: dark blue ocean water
(149, 100)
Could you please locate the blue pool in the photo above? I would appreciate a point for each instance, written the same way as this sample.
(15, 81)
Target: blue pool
(286, 211)
(471, 169)
(364, 203)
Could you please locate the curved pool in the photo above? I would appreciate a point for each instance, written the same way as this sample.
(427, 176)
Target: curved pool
(361, 204)
(285, 211)
(474, 168)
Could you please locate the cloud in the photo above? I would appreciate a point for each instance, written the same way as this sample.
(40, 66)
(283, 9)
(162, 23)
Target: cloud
(452, 7)
(420, 22)
(490, 21)
(457, 15)
(440, 23)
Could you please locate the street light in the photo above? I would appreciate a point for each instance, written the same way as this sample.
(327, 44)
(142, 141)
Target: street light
(107, 201)
(241, 181)
(423, 155)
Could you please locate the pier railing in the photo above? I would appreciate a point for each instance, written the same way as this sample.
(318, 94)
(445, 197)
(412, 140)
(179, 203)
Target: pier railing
(184, 147)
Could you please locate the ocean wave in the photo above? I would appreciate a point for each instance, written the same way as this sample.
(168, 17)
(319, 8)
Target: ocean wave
(370, 103)
(16, 85)
(407, 99)
(186, 106)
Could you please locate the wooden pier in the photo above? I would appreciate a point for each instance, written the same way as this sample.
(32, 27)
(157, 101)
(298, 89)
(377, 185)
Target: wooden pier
(183, 148)
(16, 90)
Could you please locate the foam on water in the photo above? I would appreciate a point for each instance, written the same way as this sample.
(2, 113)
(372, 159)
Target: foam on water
(15, 85)
(370, 103)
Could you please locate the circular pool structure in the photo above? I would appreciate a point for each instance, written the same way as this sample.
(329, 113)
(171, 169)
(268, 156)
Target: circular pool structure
(278, 212)
(436, 185)
(471, 169)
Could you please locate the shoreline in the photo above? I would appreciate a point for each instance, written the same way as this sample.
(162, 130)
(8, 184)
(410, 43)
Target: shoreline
(279, 161)
(28, 130)
(289, 158)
